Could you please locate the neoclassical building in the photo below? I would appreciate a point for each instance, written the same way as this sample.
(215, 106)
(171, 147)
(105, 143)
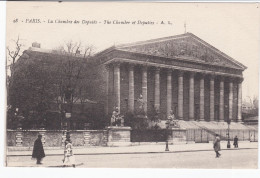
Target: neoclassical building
(181, 73)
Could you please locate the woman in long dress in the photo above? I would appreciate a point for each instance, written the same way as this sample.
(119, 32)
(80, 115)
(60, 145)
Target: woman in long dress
(69, 158)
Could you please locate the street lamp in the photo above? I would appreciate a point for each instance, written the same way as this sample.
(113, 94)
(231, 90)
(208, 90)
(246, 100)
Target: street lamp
(167, 127)
(228, 143)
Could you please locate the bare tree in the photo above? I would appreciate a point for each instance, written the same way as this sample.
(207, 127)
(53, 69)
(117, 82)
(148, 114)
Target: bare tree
(72, 48)
(14, 54)
(72, 76)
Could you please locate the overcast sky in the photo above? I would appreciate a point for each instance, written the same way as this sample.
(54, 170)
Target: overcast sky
(231, 28)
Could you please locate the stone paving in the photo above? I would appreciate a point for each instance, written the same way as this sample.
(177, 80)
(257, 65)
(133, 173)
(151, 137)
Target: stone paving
(147, 148)
(230, 159)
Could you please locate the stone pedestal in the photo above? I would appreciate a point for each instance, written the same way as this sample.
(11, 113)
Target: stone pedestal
(86, 138)
(19, 136)
(178, 136)
(118, 136)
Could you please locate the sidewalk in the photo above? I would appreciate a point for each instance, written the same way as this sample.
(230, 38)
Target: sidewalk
(137, 149)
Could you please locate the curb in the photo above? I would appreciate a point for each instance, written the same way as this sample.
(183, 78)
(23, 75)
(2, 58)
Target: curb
(152, 152)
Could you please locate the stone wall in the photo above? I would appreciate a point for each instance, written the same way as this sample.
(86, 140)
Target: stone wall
(98, 138)
(56, 138)
(53, 138)
(10, 138)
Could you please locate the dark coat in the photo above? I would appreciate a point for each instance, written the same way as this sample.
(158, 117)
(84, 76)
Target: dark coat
(216, 143)
(38, 151)
(235, 141)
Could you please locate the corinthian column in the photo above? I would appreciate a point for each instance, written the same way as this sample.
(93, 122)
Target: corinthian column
(180, 95)
(191, 97)
(157, 89)
(230, 99)
(212, 102)
(144, 87)
(131, 89)
(221, 99)
(117, 85)
(239, 101)
(169, 91)
(202, 94)
(107, 89)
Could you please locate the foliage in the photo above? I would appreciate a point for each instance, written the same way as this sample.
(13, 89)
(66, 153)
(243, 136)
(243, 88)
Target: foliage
(136, 121)
(40, 80)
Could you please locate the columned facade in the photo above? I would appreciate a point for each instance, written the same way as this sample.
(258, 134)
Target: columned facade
(170, 95)
(186, 75)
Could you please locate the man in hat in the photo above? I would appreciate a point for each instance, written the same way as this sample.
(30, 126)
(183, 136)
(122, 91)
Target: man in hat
(38, 151)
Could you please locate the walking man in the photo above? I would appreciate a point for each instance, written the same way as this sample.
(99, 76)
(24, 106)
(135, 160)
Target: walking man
(235, 142)
(38, 151)
(216, 146)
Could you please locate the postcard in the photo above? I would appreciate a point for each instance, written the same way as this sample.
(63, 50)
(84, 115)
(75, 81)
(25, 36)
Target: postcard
(132, 85)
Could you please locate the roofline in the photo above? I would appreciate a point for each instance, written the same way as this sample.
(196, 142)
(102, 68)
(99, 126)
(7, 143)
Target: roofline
(105, 51)
(185, 35)
(153, 40)
(54, 52)
(218, 51)
(111, 48)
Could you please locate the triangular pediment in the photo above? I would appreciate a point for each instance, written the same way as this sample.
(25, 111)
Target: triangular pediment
(183, 47)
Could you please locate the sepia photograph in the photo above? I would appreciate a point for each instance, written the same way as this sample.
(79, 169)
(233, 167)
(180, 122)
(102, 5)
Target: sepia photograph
(132, 85)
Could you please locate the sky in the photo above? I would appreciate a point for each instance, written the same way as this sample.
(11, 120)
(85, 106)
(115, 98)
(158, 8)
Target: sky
(232, 28)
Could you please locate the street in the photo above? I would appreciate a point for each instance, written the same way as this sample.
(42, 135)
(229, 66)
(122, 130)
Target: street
(238, 159)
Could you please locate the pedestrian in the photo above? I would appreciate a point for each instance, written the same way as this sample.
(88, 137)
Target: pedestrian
(38, 151)
(235, 142)
(216, 146)
(69, 158)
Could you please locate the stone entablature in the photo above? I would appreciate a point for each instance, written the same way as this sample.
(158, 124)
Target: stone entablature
(183, 67)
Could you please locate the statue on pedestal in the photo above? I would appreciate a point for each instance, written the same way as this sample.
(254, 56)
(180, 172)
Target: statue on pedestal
(173, 122)
(140, 110)
(117, 119)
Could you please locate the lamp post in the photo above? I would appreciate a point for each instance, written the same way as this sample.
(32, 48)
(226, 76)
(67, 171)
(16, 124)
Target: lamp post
(228, 143)
(167, 128)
